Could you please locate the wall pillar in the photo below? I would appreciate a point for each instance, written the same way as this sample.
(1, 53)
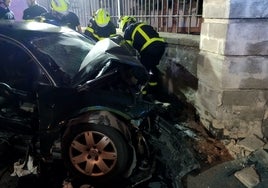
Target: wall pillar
(232, 68)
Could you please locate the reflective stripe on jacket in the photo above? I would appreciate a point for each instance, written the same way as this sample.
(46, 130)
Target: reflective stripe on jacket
(99, 33)
(141, 35)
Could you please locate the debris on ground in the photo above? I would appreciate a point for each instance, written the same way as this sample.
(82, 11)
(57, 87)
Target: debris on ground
(248, 176)
(24, 168)
(209, 150)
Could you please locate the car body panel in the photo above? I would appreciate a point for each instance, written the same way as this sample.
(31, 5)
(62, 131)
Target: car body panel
(50, 63)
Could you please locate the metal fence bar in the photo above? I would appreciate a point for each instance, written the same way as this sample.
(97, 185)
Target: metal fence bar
(175, 16)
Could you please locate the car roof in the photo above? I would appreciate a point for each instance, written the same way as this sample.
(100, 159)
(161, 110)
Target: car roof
(15, 29)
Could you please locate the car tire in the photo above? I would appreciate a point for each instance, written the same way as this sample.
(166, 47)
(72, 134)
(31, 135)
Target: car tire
(97, 153)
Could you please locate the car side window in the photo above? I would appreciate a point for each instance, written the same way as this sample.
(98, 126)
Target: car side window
(18, 69)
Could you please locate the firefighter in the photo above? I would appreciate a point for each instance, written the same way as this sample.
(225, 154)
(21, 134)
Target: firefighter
(33, 10)
(100, 26)
(61, 16)
(151, 47)
(5, 12)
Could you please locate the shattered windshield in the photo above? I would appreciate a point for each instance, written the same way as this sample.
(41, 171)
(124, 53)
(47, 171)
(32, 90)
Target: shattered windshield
(67, 50)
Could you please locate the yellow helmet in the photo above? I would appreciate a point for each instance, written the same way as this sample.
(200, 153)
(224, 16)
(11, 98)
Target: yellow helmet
(102, 17)
(125, 21)
(60, 5)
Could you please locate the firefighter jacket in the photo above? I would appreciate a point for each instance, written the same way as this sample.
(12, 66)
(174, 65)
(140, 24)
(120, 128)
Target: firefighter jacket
(6, 13)
(141, 36)
(70, 19)
(97, 33)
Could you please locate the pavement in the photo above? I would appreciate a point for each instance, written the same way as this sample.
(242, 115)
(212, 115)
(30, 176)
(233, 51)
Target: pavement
(249, 172)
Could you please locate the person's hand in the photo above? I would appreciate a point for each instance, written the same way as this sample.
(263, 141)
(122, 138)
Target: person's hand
(9, 16)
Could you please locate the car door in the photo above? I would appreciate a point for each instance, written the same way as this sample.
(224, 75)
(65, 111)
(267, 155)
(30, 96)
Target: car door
(19, 76)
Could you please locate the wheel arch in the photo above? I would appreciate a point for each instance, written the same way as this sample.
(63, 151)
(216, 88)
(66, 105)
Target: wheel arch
(104, 116)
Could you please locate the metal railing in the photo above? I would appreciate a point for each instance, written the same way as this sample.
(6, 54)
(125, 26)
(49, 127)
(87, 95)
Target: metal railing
(175, 16)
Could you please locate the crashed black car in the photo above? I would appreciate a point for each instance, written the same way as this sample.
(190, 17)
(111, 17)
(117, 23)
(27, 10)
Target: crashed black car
(81, 101)
(57, 85)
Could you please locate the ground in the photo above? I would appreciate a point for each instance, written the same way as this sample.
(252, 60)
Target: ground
(207, 150)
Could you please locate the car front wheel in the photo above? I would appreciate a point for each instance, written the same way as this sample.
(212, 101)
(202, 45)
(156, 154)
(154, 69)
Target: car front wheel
(95, 152)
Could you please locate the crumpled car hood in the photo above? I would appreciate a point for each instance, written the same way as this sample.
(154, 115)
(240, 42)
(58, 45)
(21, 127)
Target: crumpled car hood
(107, 54)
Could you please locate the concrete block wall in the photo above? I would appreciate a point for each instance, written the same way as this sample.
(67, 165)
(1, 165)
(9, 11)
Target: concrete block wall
(233, 67)
(179, 65)
(227, 72)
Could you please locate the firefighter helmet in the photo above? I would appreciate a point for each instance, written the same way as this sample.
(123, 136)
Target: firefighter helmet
(60, 5)
(102, 17)
(125, 21)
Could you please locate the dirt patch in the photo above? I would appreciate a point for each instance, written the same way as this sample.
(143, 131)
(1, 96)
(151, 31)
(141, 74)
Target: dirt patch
(209, 150)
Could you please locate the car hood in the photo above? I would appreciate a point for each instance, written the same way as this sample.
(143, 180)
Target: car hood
(108, 54)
